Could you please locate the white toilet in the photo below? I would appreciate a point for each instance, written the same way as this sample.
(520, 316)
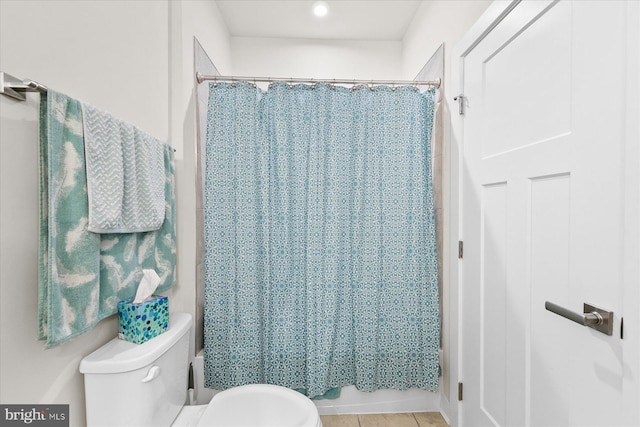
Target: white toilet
(133, 385)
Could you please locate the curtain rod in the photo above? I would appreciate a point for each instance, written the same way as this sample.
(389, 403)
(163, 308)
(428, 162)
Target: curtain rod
(203, 77)
(15, 88)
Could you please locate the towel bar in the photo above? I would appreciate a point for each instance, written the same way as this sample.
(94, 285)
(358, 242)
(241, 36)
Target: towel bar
(15, 88)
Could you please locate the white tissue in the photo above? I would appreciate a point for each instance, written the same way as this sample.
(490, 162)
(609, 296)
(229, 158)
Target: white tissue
(148, 284)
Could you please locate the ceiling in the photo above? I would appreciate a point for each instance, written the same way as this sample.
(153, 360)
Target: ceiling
(347, 19)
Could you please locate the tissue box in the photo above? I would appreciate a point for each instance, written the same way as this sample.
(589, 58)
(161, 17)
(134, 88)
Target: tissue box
(138, 323)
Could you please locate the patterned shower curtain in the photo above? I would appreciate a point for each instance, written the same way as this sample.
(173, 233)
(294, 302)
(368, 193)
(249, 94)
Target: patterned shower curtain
(320, 248)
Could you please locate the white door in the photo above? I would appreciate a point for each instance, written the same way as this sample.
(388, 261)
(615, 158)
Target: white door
(549, 213)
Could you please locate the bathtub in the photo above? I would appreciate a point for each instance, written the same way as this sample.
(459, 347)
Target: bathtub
(351, 401)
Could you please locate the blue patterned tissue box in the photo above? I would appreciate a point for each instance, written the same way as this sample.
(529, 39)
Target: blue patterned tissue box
(138, 323)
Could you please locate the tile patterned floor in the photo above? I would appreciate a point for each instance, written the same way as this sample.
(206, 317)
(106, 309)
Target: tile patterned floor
(416, 419)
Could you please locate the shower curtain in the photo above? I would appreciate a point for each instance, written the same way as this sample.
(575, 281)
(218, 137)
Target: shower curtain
(320, 249)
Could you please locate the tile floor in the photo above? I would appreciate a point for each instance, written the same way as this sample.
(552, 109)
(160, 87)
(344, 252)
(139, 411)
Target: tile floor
(416, 419)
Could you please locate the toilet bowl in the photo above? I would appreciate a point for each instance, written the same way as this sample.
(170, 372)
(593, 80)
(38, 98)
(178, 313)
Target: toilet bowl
(132, 385)
(252, 405)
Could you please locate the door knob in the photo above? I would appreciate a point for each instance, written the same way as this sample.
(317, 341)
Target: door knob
(594, 317)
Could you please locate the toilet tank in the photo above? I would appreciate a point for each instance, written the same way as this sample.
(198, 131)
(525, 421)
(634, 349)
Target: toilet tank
(145, 384)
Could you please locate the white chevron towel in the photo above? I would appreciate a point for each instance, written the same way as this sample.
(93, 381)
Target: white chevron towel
(125, 175)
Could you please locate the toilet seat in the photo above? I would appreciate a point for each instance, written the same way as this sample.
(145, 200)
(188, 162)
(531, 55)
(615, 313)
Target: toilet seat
(260, 405)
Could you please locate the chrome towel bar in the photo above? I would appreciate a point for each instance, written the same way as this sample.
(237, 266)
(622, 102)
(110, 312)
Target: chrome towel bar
(15, 88)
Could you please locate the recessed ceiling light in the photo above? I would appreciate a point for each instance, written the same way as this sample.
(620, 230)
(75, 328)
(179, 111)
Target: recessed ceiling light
(320, 8)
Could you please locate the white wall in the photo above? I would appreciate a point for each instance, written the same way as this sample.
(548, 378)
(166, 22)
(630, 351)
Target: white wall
(113, 55)
(279, 57)
(437, 22)
(134, 59)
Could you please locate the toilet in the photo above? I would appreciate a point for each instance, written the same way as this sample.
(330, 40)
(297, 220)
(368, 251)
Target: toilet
(132, 385)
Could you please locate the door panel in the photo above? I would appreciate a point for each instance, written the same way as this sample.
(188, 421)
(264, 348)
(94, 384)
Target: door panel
(493, 303)
(543, 202)
(523, 73)
(550, 217)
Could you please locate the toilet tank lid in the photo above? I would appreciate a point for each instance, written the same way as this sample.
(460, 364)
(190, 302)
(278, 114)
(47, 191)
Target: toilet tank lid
(123, 356)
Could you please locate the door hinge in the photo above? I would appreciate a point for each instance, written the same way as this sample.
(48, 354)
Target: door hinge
(622, 328)
(459, 392)
(460, 249)
(460, 99)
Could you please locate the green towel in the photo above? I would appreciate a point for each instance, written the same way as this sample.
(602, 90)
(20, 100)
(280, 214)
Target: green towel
(332, 393)
(83, 275)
